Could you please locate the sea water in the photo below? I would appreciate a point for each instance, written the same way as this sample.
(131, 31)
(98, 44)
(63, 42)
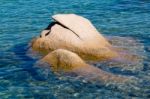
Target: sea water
(125, 22)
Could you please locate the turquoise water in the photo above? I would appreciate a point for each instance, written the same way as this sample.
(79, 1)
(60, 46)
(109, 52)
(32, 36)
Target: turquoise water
(126, 22)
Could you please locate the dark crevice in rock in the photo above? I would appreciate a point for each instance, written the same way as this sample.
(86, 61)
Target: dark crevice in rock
(53, 23)
(50, 26)
(47, 33)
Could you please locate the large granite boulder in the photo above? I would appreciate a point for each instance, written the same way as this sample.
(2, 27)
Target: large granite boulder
(74, 33)
(70, 40)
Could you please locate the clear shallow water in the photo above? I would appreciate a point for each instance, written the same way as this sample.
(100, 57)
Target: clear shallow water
(20, 21)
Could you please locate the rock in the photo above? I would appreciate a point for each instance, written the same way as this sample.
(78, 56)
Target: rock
(74, 33)
(70, 40)
(66, 61)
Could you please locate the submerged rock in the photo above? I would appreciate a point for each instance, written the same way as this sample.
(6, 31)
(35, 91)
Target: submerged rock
(70, 40)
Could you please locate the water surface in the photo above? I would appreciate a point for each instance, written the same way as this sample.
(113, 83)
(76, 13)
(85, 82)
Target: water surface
(22, 20)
